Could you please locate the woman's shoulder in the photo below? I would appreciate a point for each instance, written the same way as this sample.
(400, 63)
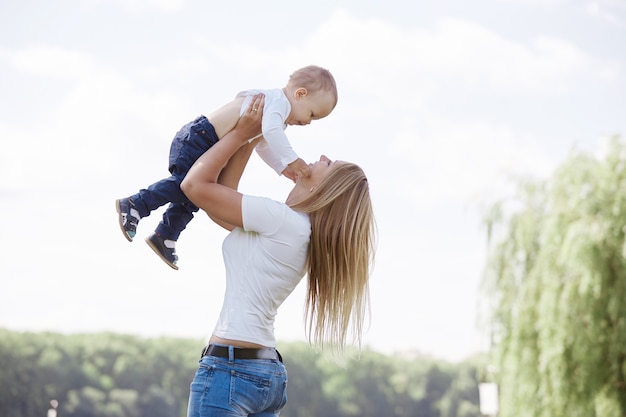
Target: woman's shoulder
(267, 203)
(265, 209)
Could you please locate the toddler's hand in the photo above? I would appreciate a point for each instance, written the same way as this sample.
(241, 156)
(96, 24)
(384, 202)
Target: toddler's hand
(290, 173)
(297, 169)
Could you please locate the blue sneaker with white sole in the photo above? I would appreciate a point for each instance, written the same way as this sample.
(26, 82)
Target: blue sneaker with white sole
(128, 217)
(165, 248)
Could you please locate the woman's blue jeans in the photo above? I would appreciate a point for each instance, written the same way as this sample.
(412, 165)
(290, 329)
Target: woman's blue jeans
(223, 387)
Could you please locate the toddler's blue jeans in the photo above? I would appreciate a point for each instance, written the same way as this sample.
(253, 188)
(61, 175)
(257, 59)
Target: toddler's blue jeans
(191, 141)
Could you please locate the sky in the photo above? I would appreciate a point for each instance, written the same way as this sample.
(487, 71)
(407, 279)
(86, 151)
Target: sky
(442, 103)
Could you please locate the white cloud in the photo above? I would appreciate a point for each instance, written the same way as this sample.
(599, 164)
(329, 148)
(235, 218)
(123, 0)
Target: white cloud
(393, 76)
(138, 6)
(459, 162)
(97, 121)
(611, 11)
(53, 62)
(412, 66)
(457, 49)
(537, 3)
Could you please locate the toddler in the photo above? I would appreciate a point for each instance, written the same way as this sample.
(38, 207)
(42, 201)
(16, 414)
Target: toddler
(310, 94)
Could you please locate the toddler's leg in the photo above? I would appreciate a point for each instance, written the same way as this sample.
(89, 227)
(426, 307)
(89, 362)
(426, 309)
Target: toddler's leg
(175, 220)
(132, 209)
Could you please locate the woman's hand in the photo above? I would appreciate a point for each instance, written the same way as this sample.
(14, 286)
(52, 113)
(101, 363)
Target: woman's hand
(249, 124)
(212, 181)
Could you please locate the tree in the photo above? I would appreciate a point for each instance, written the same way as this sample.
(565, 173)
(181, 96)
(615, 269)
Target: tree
(304, 389)
(115, 375)
(557, 279)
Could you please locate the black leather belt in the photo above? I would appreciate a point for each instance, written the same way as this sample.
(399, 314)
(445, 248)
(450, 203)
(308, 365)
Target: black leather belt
(241, 353)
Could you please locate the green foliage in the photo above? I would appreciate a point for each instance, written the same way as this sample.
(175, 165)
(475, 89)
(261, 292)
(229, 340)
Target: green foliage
(112, 375)
(557, 276)
(95, 375)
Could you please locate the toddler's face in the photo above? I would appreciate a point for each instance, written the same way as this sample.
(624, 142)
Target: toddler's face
(310, 107)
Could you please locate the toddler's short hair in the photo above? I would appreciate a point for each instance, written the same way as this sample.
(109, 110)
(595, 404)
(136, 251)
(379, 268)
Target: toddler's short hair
(315, 79)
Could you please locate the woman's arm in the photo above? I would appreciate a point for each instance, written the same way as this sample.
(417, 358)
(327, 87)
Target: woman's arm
(231, 174)
(212, 181)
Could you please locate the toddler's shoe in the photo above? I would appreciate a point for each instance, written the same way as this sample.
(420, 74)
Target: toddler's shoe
(165, 248)
(128, 217)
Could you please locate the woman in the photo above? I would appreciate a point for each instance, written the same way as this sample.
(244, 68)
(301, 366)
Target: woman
(325, 230)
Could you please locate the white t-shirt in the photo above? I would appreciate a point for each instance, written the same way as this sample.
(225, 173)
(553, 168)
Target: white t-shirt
(265, 260)
(275, 148)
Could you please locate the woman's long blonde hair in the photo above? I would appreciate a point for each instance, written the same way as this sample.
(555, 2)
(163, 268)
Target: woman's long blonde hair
(341, 253)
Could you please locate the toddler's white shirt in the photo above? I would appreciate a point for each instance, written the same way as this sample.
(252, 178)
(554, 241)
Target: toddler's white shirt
(275, 148)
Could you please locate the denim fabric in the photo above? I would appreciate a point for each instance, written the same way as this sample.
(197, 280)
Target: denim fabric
(191, 141)
(240, 387)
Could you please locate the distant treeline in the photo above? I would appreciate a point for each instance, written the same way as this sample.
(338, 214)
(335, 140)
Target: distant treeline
(115, 375)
